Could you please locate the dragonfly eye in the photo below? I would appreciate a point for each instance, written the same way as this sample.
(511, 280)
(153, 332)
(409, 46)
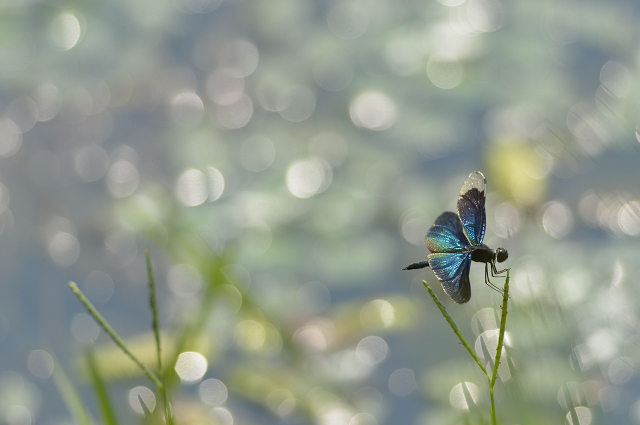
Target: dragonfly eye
(501, 255)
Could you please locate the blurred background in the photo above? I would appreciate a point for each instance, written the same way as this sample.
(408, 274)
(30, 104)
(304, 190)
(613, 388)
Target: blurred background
(282, 160)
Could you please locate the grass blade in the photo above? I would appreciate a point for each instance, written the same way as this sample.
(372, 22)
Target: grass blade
(153, 301)
(105, 325)
(453, 325)
(106, 407)
(70, 396)
(154, 309)
(503, 322)
(496, 363)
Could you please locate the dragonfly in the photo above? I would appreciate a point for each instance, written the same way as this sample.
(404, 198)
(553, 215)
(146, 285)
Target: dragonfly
(455, 240)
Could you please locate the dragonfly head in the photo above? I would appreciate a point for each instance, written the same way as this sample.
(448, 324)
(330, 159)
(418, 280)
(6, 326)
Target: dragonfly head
(501, 255)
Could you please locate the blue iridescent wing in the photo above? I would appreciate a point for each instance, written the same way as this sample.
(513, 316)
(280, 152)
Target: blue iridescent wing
(471, 207)
(446, 234)
(452, 270)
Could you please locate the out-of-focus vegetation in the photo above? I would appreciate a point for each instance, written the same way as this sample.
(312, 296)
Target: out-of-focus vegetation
(282, 160)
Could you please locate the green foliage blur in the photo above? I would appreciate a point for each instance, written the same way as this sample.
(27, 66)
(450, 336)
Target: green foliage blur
(282, 160)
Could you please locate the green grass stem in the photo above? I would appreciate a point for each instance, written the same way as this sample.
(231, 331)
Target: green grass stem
(154, 309)
(105, 325)
(455, 328)
(496, 363)
(102, 394)
(153, 301)
(491, 378)
(70, 396)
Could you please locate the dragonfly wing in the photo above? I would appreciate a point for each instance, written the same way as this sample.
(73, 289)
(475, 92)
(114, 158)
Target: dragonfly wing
(471, 207)
(452, 270)
(446, 234)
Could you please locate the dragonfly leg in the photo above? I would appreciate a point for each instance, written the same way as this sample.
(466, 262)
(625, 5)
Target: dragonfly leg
(488, 281)
(494, 270)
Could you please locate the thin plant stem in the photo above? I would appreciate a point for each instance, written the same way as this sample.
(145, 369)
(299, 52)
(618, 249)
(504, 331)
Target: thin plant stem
(491, 378)
(453, 325)
(105, 325)
(156, 330)
(496, 363)
(154, 309)
(70, 396)
(102, 394)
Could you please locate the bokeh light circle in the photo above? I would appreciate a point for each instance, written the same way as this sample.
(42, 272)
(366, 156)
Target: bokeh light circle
(18, 415)
(191, 187)
(583, 414)
(629, 218)
(98, 286)
(122, 178)
(621, 370)
(616, 78)
(373, 111)
(191, 366)
(457, 396)
(40, 364)
(240, 55)
(64, 249)
(225, 87)
(315, 336)
(281, 402)
(187, 108)
(308, 177)
(444, 73)
(235, 115)
(313, 297)
(363, 418)
(557, 219)
(485, 15)
(509, 219)
(65, 31)
(221, 416)
(372, 350)
(413, 229)
(296, 103)
(147, 396)
(216, 183)
(378, 313)
(402, 382)
(10, 137)
(213, 392)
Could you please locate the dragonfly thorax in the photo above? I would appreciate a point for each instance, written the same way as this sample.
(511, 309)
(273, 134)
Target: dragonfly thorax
(482, 254)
